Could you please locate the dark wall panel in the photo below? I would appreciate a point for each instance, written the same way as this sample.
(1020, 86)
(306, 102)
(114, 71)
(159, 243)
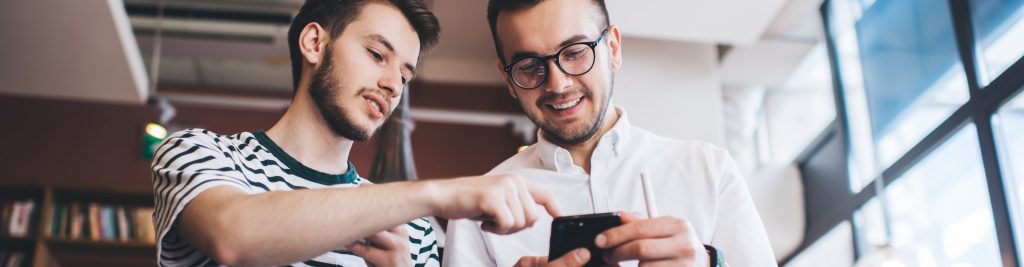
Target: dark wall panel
(68, 142)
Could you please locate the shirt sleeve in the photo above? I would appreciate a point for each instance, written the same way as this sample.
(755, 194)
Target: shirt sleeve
(423, 243)
(465, 245)
(186, 164)
(739, 232)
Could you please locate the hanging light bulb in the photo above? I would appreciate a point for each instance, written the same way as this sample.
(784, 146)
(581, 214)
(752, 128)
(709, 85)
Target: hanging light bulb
(152, 136)
(157, 131)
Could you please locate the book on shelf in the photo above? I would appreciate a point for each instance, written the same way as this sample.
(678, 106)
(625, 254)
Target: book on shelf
(146, 231)
(94, 221)
(101, 222)
(16, 220)
(123, 224)
(12, 258)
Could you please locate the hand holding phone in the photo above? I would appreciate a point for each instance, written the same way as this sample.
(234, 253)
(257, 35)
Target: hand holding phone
(572, 232)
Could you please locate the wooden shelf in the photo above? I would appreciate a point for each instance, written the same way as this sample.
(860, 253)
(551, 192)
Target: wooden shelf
(59, 244)
(10, 191)
(58, 251)
(17, 242)
(121, 195)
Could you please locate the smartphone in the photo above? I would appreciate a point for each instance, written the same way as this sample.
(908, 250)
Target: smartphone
(572, 232)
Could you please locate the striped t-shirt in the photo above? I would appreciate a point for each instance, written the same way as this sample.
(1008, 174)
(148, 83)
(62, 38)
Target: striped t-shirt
(193, 160)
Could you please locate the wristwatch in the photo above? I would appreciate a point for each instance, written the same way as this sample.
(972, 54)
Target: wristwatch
(717, 257)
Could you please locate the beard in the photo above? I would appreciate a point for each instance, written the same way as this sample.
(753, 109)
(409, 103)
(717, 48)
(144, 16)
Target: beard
(575, 135)
(324, 90)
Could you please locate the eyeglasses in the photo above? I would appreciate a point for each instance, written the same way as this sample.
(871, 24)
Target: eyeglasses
(575, 59)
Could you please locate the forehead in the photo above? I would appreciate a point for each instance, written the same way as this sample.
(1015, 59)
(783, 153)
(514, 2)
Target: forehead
(542, 27)
(386, 21)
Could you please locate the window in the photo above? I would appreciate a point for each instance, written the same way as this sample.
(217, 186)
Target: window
(999, 28)
(940, 214)
(1008, 125)
(901, 76)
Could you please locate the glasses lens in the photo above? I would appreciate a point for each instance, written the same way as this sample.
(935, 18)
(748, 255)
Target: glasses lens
(529, 72)
(576, 59)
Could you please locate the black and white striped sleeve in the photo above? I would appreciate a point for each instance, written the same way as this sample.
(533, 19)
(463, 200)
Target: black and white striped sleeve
(186, 164)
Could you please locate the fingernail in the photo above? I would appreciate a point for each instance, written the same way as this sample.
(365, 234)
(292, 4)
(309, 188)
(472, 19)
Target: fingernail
(600, 240)
(582, 255)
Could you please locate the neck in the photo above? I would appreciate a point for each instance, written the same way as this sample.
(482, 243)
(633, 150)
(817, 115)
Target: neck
(304, 134)
(582, 152)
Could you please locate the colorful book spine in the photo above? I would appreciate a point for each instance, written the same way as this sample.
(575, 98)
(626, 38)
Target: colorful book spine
(100, 222)
(16, 220)
(122, 225)
(95, 233)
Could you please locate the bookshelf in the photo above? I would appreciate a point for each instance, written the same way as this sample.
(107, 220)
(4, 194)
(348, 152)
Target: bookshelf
(76, 226)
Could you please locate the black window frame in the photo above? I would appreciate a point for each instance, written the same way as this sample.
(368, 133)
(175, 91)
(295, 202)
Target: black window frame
(824, 164)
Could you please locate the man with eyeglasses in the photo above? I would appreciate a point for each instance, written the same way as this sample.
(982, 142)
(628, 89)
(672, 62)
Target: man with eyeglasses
(558, 58)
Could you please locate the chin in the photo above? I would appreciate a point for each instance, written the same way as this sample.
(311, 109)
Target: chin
(372, 128)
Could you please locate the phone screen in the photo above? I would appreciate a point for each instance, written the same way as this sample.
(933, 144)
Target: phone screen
(572, 232)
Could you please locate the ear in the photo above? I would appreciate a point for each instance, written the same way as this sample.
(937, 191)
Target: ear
(508, 80)
(313, 42)
(614, 46)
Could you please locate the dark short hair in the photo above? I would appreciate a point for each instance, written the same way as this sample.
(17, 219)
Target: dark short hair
(335, 15)
(496, 6)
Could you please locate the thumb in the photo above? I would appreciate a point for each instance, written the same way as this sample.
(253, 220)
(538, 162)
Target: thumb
(531, 261)
(575, 258)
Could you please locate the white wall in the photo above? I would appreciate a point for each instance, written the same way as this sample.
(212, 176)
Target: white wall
(835, 248)
(672, 89)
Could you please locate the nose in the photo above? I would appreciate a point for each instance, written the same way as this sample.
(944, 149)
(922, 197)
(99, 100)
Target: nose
(558, 81)
(391, 82)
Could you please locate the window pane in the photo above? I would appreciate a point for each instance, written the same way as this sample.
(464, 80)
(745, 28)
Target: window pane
(1009, 127)
(1000, 32)
(901, 76)
(940, 209)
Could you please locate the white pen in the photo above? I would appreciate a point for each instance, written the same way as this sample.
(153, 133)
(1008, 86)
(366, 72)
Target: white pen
(652, 205)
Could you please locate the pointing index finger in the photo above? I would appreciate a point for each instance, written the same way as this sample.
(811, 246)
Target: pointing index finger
(543, 197)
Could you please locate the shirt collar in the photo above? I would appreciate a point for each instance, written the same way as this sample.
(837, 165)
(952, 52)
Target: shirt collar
(349, 177)
(556, 158)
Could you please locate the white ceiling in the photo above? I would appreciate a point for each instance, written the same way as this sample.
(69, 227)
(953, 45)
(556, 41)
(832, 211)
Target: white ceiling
(81, 50)
(700, 21)
(770, 61)
(769, 38)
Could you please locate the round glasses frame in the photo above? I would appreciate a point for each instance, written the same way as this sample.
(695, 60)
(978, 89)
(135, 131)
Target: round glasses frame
(556, 56)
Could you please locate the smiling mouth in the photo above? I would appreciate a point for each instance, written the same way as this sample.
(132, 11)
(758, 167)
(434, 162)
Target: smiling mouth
(376, 104)
(565, 105)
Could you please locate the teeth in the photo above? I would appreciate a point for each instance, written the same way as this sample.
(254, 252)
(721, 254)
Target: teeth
(567, 105)
(375, 106)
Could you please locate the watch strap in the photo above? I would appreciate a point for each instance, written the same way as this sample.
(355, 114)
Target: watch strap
(717, 258)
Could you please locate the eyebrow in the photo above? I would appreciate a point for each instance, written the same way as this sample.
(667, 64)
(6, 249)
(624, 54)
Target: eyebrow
(571, 40)
(387, 44)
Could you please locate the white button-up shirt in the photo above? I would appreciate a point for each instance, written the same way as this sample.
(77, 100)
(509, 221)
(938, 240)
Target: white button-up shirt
(692, 180)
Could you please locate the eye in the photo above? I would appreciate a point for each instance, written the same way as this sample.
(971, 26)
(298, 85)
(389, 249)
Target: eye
(404, 80)
(376, 56)
(528, 67)
(573, 52)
